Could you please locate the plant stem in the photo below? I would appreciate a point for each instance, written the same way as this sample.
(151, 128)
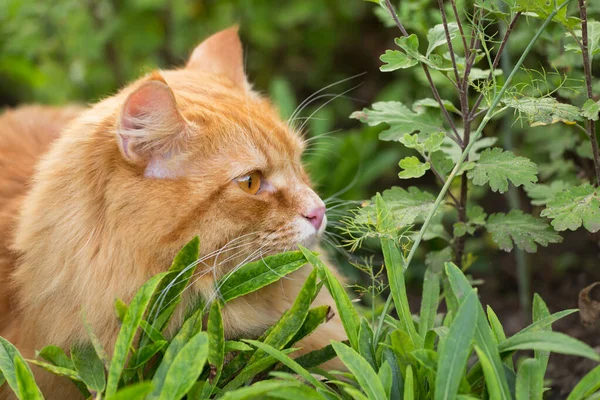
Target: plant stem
(509, 30)
(434, 90)
(587, 70)
(460, 29)
(458, 82)
(487, 117)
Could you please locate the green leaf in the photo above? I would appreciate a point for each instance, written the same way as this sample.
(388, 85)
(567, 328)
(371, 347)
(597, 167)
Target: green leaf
(413, 168)
(593, 39)
(273, 388)
(591, 108)
(456, 349)
(541, 111)
(437, 36)
(429, 102)
(409, 385)
(258, 274)
(542, 9)
(530, 382)
(95, 342)
(394, 59)
(362, 371)
(524, 230)
(541, 194)
(291, 364)
(60, 371)
(315, 317)
(347, 312)
(540, 312)
(497, 167)
(291, 321)
(136, 391)
(497, 328)
(120, 309)
(16, 372)
(145, 353)
(216, 348)
(587, 386)
(131, 322)
(190, 328)
(56, 356)
(405, 207)
(28, 389)
(484, 338)
(184, 369)
(232, 345)
(168, 293)
(573, 207)
(316, 357)
(430, 300)
(548, 341)
(89, 367)
(400, 119)
(492, 380)
(395, 266)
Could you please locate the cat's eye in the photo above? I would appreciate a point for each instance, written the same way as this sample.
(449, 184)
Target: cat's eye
(250, 183)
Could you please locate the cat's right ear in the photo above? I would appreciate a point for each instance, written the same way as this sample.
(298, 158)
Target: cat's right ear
(151, 131)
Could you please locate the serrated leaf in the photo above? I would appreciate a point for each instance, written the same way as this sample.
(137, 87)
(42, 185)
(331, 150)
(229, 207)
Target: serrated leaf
(574, 207)
(437, 36)
(412, 168)
(524, 230)
(544, 110)
(395, 59)
(542, 9)
(401, 119)
(591, 108)
(406, 206)
(453, 151)
(497, 167)
(541, 194)
(432, 103)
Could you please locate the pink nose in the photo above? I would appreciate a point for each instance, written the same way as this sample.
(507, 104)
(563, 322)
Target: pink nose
(315, 216)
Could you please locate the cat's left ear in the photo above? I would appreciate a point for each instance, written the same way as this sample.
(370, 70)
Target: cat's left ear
(151, 131)
(221, 54)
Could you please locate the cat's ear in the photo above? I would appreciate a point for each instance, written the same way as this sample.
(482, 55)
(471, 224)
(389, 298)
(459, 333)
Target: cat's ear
(151, 130)
(221, 54)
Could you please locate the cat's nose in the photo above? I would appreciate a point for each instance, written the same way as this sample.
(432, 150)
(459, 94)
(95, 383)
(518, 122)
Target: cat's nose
(315, 216)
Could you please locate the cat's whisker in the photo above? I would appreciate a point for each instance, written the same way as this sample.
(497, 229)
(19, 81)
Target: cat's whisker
(296, 112)
(326, 103)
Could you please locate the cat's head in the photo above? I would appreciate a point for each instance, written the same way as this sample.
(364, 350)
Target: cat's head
(200, 153)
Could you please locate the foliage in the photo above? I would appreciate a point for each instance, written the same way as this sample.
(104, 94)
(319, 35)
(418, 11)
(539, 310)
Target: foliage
(404, 359)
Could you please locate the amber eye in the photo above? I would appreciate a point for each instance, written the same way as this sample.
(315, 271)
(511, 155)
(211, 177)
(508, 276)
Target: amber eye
(250, 183)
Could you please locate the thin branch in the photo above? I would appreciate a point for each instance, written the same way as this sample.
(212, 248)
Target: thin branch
(587, 69)
(460, 29)
(450, 47)
(434, 90)
(442, 180)
(509, 30)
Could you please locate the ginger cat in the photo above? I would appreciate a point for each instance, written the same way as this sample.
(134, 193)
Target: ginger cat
(178, 153)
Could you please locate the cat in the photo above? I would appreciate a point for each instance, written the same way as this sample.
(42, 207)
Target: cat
(128, 181)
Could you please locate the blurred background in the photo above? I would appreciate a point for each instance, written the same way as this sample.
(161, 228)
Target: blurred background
(61, 51)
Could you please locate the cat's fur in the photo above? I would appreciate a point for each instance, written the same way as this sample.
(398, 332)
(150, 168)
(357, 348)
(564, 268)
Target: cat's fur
(128, 183)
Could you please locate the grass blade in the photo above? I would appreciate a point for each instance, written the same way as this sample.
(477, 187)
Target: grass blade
(28, 389)
(131, 322)
(9, 356)
(184, 369)
(587, 386)
(89, 367)
(484, 338)
(362, 371)
(430, 301)
(530, 383)
(456, 349)
(345, 308)
(258, 274)
(549, 341)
